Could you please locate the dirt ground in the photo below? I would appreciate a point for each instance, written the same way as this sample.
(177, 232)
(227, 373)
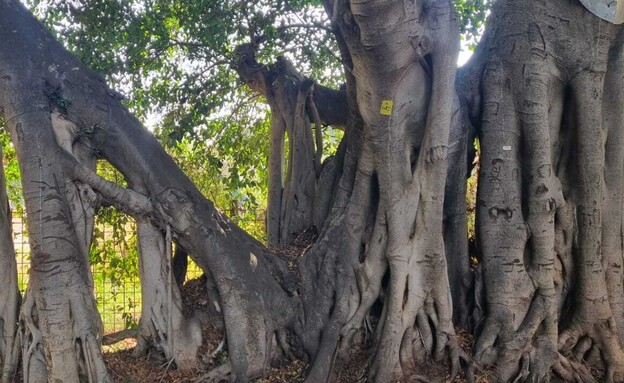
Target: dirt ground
(126, 369)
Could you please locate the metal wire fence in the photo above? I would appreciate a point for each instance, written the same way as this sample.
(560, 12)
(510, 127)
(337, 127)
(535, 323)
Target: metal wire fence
(114, 265)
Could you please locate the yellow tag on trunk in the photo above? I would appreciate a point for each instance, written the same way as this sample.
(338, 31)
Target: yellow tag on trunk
(386, 108)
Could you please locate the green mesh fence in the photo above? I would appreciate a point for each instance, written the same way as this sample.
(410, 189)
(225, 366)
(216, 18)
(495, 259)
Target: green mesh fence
(114, 267)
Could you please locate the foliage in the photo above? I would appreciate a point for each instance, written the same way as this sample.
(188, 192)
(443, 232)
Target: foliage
(114, 260)
(174, 56)
(228, 164)
(472, 15)
(172, 59)
(11, 171)
(471, 192)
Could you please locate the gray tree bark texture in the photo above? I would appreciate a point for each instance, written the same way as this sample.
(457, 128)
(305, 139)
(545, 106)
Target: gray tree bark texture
(9, 294)
(298, 198)
(163, 325)
(549, 205)
(61, 312)
(401, 58)
(390, 264)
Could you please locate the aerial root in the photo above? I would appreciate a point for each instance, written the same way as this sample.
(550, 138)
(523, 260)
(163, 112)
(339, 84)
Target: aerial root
(93, 358)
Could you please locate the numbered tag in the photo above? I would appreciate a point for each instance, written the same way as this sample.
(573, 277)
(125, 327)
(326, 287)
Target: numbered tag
(386, 108)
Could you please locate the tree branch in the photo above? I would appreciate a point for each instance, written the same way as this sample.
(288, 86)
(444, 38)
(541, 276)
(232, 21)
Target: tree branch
(314, 25)
(127, 200)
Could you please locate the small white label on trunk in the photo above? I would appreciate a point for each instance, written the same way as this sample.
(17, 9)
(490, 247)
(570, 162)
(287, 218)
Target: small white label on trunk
(253, 261)
(506, 148)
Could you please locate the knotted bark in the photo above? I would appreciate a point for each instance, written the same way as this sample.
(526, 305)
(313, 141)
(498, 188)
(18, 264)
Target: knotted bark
(550, 192)
(299, 198)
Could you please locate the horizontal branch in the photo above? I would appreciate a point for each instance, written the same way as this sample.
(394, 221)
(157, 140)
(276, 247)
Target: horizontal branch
(313, 25)
(124, 199)
(116, 337)
(331, 104)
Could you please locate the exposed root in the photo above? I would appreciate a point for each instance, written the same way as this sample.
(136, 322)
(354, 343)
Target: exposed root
(218, 374)
(33, 361)
(572, 370)
(597, 343)
(119, 336)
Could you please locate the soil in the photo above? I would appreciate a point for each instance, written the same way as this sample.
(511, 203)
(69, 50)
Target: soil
(126, 369)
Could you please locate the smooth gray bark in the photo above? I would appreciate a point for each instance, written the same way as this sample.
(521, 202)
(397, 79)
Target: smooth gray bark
(163, 325)
(297, 199)
(9, 294)
(550, 192)
(60, 283)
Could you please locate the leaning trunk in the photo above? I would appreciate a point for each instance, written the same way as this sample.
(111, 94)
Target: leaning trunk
(256, 290)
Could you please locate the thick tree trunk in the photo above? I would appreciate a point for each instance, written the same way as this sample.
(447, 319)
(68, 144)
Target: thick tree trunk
(550, 223)
(402, 58)
(59, 211)
(163, 325)
(550, 192)
(60, 281)
(386, 217)
(9, 294)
